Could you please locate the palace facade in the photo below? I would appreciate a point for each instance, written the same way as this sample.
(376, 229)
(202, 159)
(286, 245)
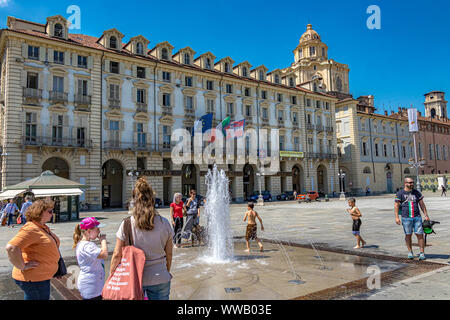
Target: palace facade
(101, 111)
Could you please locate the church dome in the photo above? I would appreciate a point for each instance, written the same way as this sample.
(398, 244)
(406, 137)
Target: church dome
(309, 35)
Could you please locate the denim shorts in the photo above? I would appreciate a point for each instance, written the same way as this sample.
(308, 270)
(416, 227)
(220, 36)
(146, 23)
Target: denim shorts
(158, 291)
(412, 223)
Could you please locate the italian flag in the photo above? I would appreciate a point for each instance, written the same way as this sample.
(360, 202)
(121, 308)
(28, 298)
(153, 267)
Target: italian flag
(220, 127)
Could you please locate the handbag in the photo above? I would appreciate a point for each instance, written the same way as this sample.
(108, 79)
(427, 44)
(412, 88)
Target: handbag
(125, 283)
(62, 270)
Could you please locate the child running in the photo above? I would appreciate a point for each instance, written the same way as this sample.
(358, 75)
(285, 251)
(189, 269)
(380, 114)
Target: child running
(356, 215)
(90, 258)
(250, 234)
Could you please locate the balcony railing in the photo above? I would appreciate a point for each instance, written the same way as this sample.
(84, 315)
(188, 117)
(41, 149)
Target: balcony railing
(295, 125)
(142, 107)
(265, 121)
(132, 146)
(57, 96)
(310, 126)
(319, 127)
(248, 119)
(189, 112)
(82, 99)
(280, 123)
(32, 93)
(114, 103)
(56, 142)
(166, 111)
(329, 129)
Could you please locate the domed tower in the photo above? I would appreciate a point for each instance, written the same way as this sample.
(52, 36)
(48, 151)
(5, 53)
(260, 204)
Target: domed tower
(435, 105)
(310, 46)
(312, 68)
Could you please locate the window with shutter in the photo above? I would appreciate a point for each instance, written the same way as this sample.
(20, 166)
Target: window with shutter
(140, 72)
(58, 84)
(188, 81)
(164, 54)
(140, 96)
(139, 48)
(82, 87)
(166, 76)
(30, 127)
(58, 57)
(113, 42)
(58, 31)
(82, 62)
(33, 52)
(189, 102)
(81, 137)
(57, 130)
(167, 135)
(187, 58)
(166, 99)
(32, 80)
(114, 67)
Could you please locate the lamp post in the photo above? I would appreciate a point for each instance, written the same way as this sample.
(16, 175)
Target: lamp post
(341, 176)
(133, 174)
(260, 201)
(416, 164)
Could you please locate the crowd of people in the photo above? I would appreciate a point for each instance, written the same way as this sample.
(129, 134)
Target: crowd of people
(34, 250)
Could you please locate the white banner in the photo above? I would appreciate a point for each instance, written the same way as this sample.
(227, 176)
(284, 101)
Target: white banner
(412, 119)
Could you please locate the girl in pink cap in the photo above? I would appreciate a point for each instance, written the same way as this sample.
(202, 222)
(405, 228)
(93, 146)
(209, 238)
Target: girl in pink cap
(90, 258)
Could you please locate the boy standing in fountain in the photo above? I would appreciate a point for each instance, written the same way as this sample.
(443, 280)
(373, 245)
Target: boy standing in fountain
(250, 234)
(356, 217)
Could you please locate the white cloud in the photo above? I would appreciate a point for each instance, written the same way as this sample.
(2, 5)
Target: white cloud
(4, 3)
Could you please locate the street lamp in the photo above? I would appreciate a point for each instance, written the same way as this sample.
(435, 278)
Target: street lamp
(416, 164)
(260, 201)
(341, 176)
(133, 174)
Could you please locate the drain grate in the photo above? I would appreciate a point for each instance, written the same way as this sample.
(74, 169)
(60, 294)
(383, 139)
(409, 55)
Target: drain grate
(233, 290)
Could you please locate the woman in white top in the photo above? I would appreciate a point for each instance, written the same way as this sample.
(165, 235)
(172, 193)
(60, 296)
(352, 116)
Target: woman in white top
(152, 234)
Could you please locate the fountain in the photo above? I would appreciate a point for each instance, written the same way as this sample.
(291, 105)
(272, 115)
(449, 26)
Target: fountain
(217, 214)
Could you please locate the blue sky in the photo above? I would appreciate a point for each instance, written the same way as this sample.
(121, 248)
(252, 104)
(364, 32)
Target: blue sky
(398, 64)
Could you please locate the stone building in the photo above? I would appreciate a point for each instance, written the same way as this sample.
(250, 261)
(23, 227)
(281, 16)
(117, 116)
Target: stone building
(433, 139)
(374, 149)
(101, 111)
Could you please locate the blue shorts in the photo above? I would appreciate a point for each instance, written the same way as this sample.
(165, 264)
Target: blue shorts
(412, 223)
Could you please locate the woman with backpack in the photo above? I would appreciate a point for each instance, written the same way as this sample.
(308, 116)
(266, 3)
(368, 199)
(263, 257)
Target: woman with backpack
(153, 234)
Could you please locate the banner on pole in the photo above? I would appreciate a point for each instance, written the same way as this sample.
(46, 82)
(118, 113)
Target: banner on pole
(412, 119)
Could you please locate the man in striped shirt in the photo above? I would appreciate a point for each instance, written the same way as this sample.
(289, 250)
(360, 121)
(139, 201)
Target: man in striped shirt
(409, 200)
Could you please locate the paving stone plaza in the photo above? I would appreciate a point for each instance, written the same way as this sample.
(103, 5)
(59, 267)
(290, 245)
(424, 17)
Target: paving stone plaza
(308, 255)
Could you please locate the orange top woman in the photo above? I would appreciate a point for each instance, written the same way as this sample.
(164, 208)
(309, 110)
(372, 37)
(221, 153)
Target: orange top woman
(34, 252)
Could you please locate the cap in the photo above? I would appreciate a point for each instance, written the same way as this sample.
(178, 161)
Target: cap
(89, 223)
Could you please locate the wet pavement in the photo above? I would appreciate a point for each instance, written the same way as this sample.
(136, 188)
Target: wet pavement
(326, 225)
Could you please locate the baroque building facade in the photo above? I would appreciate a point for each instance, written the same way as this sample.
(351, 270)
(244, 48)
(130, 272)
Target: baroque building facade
(433, 138)
(374, 149)
(101, 111)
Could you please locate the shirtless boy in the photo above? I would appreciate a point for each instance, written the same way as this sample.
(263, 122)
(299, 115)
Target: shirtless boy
(356, 217)
(250, 234)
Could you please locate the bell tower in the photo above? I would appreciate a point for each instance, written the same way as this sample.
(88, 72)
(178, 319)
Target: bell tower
(435, 105)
